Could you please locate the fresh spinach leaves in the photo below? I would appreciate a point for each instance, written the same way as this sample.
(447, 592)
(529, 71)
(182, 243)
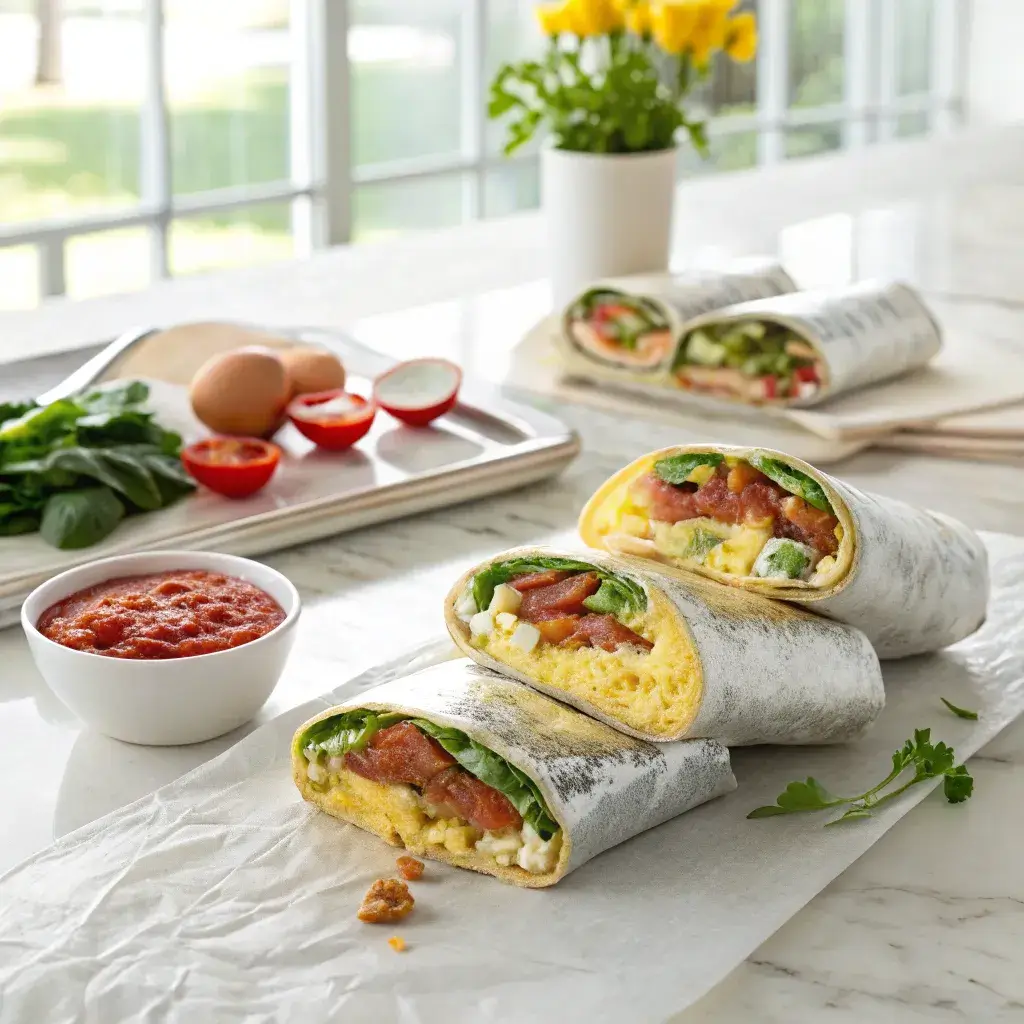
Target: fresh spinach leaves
(676, 469)
(617, 595)
(353, 730)
(792, 480)
(75, 468)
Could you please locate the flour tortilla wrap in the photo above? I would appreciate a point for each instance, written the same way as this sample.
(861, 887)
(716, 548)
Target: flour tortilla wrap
(913, 580)
(725, 665)
(844, 339)
(599, 786)
(662, 304)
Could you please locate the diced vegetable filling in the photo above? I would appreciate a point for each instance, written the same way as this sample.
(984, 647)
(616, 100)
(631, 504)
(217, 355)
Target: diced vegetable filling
(769, 520)
(475, 799)
(753, 360)
(620, 328)
(554, 601)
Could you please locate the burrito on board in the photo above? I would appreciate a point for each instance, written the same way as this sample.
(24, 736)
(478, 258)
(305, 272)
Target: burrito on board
(459, 765)
(802, 348)
(629, 326)
(912, 580)
(664, 655)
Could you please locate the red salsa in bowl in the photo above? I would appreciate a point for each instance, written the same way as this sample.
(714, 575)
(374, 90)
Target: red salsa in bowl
(162, 615)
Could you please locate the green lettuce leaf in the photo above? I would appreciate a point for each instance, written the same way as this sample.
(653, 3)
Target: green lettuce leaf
(676, 469)
(353, 730)
(793, 481)
(620, 594)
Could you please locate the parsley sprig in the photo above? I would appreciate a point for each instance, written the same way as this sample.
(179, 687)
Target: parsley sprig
(927, 760)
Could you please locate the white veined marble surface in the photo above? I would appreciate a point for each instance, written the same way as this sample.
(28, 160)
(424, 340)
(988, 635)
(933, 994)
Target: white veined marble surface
(929, 924)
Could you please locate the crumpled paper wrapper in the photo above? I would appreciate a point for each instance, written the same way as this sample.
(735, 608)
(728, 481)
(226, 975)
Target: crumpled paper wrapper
(223, 897)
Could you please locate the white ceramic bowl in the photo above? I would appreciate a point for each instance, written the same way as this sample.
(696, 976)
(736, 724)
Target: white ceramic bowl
(164, 702)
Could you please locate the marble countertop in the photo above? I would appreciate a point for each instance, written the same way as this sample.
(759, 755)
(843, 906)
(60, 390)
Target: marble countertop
(928, 924)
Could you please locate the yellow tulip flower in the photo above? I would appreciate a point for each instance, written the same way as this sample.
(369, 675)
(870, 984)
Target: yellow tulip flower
(597, 17)
(741, 37)
(709, 35)
(638, 17)
(673, 24)
(553, 18)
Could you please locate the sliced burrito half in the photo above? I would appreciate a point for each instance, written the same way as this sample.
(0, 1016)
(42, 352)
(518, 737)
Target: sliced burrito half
(800, 349)
(912, 580)
(664, 655)
(459, 765)
(631, 325)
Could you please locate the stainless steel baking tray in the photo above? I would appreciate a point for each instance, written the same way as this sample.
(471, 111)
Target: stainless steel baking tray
(487, 444)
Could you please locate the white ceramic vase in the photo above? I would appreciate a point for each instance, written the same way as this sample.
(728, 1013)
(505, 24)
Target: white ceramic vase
(607, 214)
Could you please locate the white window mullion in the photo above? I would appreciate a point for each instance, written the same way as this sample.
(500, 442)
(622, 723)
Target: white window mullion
(331, 107)
(155, 157)
(305, 156)
(887, 43)
(947, 63)
(473, 115)
(859, 71)
(773, 80)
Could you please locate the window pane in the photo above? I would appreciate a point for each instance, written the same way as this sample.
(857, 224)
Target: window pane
(227, 86)
(512, 34)
(71, 83)
(732, 151)
(733, 86)
(383, 211)
(405, 78)
(235, 238)
(912, 124)
(817, 139)
(107, 262)
(19, 277)
(816, 52)
(511, 188)
(913, 46)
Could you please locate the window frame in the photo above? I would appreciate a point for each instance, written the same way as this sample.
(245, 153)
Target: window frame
(323, 178)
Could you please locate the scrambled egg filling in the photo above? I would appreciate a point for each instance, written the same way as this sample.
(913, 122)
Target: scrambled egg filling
(656, 692)
(398, 811)
(727, 548)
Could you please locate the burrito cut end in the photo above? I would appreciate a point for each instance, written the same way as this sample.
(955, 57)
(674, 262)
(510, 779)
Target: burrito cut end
(750, 516)
(406, 780)
(619, 329)
(585, 633)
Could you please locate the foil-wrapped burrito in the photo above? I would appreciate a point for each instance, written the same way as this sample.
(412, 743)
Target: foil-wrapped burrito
(665, 655)
(758, 519)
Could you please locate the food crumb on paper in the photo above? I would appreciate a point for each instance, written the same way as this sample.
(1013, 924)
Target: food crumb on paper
(410, 868)
(388, 899)
(397, 943)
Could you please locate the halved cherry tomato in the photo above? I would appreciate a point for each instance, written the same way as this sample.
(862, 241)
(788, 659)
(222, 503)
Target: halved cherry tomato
(335, 428)
(233, 466)
(807, 374)
(771, 387)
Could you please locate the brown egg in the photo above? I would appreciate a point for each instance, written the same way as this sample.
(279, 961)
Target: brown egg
(243, 392)
(312, 369)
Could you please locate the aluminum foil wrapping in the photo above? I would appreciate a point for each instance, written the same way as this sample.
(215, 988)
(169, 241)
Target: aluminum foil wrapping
(771, 673)
(866, 333)
(680, 298)
(918, 580)
(603, 787)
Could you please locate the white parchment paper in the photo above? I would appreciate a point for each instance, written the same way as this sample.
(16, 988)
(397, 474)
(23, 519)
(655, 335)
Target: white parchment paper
(222, 897)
